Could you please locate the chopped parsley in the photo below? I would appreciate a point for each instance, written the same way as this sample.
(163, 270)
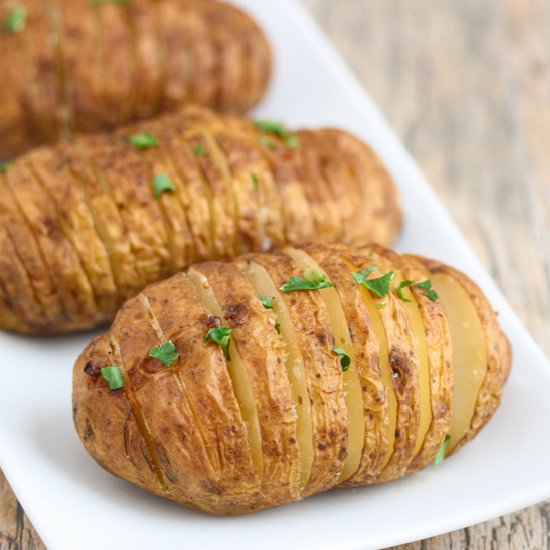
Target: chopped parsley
(361, 275)
(222, 337)
(114, 377)
(161, 184)
(441, 454)
(278, 129)
(166, 353)
(200, 150)
(255, 182)
(400, 287)
(430, 292)
(278, 328)
(267, 301)
(379, 286)
(313, 280)
(144, 141)
(5, 165)
(345, 358)
(268, 142)
(16, 20)
(381, 305)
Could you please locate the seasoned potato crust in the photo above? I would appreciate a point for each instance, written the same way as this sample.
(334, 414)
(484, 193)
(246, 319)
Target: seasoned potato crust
(80, 65)
(234, 387)
(96, 220)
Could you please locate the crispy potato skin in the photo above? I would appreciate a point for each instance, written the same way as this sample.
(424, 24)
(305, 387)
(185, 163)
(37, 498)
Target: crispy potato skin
(90, 232)
(178, 430)
(84, 66)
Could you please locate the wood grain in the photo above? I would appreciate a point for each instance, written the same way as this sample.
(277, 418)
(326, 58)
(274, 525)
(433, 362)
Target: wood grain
(467, 87)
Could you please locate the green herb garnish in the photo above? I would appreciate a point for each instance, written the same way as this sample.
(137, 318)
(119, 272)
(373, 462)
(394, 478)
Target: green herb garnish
(381, 305)
(278, 129)
(313, 280)
(430, 292)
(255, 182)
(267, 301)
(200, 150)
(278, 328)
(268, 142)
(161, 184)
(114, 377)
(222, 337)
(5, 165)
(441, 454)
(166, 353)
(360, 276)
(144, 141)
(379, 286)
(16, 20)
(345, 358)
(399, 290)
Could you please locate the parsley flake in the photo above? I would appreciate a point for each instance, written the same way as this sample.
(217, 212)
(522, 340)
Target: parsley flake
(5, 165)
(222, 337)
(430, 292)
(381, 305)
(255, 182)
(278, 129)
(278, 328)
(16, 20)
(114, 377)
(161, 184)
(360, 276)
(441, 454)
(379, 286)
(200, 150)
(313, 280)
(345, 358)
(399, 290)
(166, 353)
(144, 141)
(267, 301)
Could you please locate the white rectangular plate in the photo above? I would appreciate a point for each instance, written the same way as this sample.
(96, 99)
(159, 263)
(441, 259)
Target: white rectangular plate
(73, 503)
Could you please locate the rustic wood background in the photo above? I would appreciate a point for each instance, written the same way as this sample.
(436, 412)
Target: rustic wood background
(467, 87)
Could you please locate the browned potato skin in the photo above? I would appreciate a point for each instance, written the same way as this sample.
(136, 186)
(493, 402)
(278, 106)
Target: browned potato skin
(91, 234)
(84, 66)
(177, 431)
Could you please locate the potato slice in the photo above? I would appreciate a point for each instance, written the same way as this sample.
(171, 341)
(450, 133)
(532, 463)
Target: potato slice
(294, 364)
(399, 357)
(262, 353)
(237, 370)
(367, 352)
(311, 325)
(352, 388)
(479, 371)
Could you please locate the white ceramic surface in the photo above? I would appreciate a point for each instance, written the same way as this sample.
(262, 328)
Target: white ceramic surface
(74, 504)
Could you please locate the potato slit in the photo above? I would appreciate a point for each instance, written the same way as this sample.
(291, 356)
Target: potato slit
(181, 384)
(237, 372)
(69, 235)
(139, 416)
(419, 333)
(262, 281)
(352, 388)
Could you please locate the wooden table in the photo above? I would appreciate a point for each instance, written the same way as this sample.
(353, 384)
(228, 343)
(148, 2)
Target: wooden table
(467, 87)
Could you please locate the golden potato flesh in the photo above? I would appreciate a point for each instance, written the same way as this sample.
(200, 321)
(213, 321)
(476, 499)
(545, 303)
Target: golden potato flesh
(268, 410)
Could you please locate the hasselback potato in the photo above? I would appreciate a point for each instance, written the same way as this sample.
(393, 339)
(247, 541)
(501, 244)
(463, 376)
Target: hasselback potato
(87, 65)
(240, 386)
(88, 224)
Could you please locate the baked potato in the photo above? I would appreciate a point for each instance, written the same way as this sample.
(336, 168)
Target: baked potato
(88, 224)
(241, 386)
(88, 65)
